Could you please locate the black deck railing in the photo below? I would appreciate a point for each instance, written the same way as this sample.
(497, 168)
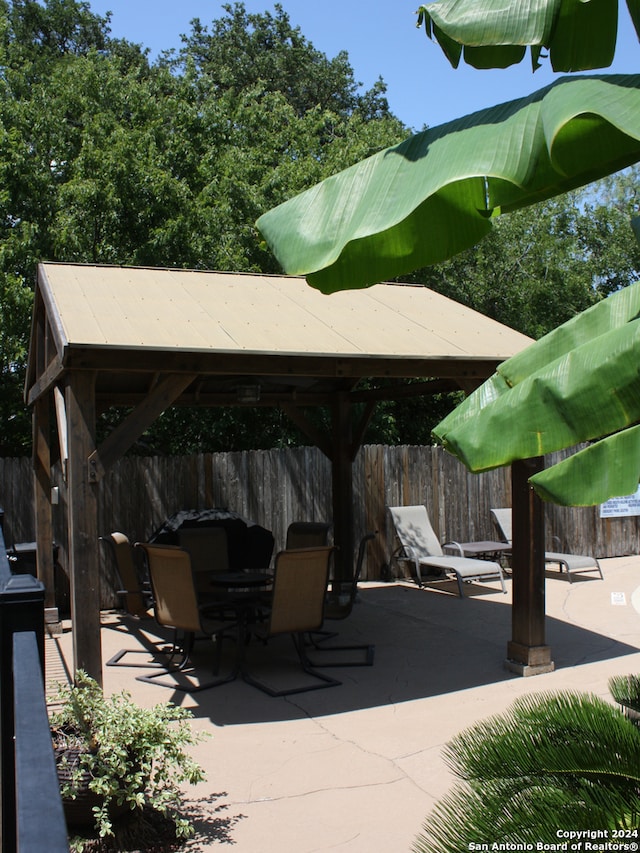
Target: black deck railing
(32, 818)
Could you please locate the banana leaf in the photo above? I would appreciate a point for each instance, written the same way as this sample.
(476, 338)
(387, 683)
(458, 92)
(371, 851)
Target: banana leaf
(578, 35)
(433, 195)
(607, 469)
(579, 383)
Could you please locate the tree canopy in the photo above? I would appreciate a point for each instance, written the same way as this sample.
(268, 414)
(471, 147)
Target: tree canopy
(107, 157)
(430, 197)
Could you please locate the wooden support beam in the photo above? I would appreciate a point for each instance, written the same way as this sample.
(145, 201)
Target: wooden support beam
(45, 380)
(123, 436)
(63, 428)
(342, 483)
(82, 508)
(41, 458)
(527, 652)
(361, 428)
(295, 414)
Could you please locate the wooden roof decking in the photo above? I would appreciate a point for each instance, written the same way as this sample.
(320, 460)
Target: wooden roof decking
(134, 320)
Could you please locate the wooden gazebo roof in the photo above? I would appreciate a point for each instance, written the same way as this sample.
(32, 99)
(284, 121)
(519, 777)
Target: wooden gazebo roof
(129, 323)
(152, 338)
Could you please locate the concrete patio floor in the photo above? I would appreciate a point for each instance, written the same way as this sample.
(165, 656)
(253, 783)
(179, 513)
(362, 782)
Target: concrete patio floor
(356, 768)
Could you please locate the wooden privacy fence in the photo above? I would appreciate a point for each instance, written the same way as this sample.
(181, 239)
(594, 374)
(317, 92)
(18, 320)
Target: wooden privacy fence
(276, 487)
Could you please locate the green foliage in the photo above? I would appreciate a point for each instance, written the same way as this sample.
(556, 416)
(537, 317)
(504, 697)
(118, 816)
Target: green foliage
(495, 34)
(579, 383)
(625, 689)
(541, 266)
(106, 157)
(551, 762)
(134, 755)
(437, 193)
(578, 36)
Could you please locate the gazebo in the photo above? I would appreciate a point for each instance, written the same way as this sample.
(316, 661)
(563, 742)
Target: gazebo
(149, 339)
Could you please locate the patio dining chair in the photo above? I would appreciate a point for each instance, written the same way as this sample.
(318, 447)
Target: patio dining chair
(297, 607)
(176, 607)
(135, 594)
(419, 546)
(209, 552)
(571, 563)
(339, 606)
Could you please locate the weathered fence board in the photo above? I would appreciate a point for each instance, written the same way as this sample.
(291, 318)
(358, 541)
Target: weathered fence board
(275, 487)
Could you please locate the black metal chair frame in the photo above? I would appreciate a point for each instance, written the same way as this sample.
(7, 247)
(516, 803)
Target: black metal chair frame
(336, 610)
(270, 624)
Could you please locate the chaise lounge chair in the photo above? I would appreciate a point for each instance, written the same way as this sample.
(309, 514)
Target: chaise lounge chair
(571, 563)
(419, 545)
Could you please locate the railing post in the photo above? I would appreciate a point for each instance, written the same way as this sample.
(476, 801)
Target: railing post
(21, 609)
(36, 775)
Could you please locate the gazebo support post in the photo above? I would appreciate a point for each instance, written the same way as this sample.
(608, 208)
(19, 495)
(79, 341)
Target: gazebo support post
(82, 524)
(342, 482)
(41, 461)
(527, 652)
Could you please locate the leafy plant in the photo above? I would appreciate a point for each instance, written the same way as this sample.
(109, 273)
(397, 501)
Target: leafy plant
(551, 762)
(625, 689)
(134, 756)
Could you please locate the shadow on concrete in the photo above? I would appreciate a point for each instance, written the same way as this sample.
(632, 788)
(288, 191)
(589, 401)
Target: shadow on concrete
(428, 642)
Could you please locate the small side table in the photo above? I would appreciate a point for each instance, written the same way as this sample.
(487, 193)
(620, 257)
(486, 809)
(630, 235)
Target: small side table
(484, 550)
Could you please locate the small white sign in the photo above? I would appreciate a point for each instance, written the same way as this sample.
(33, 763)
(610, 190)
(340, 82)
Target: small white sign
(618, 598)
(617, 507)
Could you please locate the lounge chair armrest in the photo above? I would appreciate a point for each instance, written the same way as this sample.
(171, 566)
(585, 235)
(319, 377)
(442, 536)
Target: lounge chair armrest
(403, 552)
(453, 544)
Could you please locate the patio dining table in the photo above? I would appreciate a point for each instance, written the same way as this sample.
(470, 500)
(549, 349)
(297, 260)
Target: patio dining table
(244, 593)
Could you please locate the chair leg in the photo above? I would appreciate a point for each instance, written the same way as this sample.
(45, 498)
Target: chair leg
(369, 653)
(167, 651)
(187, 647)
(316, 637)
(325, 680)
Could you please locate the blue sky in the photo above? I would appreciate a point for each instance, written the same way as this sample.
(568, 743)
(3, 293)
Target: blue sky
(381, 39)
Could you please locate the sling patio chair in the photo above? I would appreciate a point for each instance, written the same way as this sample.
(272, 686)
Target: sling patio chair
(571, 563)
(339, 606)
(419, 546)
(175, 606)
(135, 594)
(209, 552)
(297, 608)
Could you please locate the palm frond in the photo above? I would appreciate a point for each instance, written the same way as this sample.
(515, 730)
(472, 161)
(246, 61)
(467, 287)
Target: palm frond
(552, 761)
(625, 689)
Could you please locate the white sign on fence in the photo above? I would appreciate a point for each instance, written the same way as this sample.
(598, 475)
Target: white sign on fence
(616, 507)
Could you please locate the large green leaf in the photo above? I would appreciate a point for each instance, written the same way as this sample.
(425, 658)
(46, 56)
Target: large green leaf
(606, 469)
(578, 383)
(433, 195)
(580, 35)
